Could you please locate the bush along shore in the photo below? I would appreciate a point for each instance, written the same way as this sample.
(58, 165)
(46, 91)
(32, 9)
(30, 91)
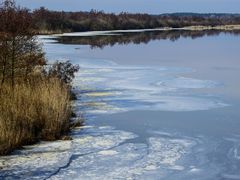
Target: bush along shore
(35, 98)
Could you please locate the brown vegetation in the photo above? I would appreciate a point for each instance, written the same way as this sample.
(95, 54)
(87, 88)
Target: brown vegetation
(34, 98)
(33, 111)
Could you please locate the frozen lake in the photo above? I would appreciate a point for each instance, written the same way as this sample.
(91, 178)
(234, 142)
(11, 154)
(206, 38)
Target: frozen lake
(156, 104)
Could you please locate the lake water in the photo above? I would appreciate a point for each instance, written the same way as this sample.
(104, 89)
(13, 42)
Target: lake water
(156, 104)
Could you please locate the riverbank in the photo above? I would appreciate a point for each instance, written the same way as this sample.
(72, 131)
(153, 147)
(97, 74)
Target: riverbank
(187, 28)
(221, 27)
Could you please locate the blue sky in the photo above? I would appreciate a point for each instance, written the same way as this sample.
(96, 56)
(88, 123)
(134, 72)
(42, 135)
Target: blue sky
(143, 6)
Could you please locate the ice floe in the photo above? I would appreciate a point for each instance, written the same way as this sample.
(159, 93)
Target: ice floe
(95, 153)
(110, 88)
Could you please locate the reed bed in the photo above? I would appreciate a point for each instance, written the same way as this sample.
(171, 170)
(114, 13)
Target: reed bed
(33, 111)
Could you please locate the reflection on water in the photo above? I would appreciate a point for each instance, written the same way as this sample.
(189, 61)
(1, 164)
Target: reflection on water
(142, 121)
(102, 40)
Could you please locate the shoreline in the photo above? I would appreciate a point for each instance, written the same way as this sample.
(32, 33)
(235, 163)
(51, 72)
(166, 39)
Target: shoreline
(187, 28)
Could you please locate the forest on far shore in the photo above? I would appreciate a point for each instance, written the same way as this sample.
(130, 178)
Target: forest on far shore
(48, 21)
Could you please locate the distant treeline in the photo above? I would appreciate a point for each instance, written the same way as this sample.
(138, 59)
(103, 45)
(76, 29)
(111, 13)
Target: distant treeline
(48, 21)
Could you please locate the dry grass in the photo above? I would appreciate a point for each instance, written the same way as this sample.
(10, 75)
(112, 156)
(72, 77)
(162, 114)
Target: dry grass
(33, 111)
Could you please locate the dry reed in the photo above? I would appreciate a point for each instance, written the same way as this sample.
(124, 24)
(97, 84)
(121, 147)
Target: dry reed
(33, 111)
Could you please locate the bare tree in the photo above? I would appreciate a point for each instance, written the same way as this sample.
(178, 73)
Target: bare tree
(20, 52)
